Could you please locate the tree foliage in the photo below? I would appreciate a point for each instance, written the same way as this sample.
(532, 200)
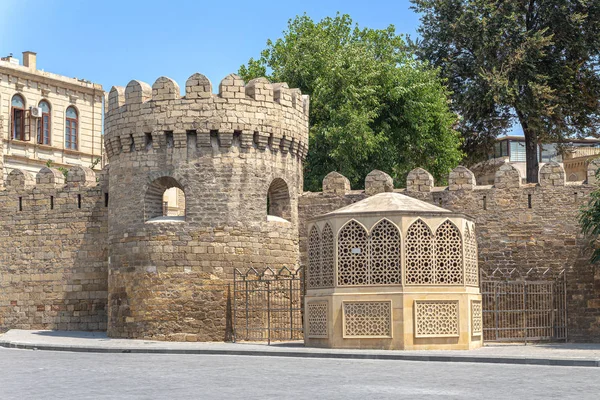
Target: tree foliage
(372, 104)
(530, 61)
(589, 220)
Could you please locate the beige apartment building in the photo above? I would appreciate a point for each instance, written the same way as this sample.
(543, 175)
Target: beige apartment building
(48, 117)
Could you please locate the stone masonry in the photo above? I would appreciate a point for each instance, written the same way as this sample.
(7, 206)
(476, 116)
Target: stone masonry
(237, 156)
(519, 226)
(93, 252)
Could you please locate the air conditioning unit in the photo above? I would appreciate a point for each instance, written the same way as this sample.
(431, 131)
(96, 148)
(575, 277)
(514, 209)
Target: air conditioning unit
(36, 112)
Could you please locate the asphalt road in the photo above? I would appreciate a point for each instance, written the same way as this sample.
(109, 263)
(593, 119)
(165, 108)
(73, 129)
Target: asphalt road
(28, 374)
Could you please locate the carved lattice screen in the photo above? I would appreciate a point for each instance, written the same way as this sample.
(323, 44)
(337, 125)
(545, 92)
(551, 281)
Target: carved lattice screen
(436, 318)
(367, 319)
(419, 254)
(317, 320)
(352, 255)
(448, 255)
(314, 258)
(476, 318)
(384, 244)
(471, 270)
(327, 257)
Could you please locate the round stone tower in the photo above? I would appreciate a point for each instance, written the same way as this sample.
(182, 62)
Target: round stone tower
(237, 159)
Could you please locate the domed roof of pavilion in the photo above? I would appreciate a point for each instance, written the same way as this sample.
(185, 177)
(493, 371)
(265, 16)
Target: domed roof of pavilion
(389, 202)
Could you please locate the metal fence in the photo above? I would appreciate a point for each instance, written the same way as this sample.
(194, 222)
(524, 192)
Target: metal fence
(267, 304)
(522, 306)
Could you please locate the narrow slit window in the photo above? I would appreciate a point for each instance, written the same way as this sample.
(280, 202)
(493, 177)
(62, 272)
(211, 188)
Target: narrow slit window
(169, 138)
(20, 204)
(105, 199)
(148, 140)
(485, 202)
(78, 201)
(529, 200)
(52, 202)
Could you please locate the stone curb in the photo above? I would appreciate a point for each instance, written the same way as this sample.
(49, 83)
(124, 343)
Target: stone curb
(298, 354)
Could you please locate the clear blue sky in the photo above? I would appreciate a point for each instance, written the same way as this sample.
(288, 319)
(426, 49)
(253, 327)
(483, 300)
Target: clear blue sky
(112, 42)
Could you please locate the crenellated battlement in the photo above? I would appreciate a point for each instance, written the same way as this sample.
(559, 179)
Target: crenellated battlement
(79, 179)
(257, 114)
(460, 179)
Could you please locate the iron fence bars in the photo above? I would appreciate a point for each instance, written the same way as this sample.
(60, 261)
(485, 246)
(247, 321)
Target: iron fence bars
(524, 306)
(268, 304)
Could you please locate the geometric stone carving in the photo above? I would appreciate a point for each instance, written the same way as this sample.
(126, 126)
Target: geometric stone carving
(471, 270)
(435, 318)
(419, 254)
(448, 255)
(314, 258)
(384, 249)
(367, 319)
(378, 182)
(317, 320)
(327, 265)
(352, 255)
(476, 318)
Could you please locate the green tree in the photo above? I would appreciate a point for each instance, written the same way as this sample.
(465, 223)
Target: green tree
(589, 220)
(373, 105)
(534, 62)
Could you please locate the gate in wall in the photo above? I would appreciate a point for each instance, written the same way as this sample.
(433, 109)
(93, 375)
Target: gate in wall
(268, 304)
(524, 306)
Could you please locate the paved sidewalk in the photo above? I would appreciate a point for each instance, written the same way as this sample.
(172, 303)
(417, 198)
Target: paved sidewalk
(560, 354)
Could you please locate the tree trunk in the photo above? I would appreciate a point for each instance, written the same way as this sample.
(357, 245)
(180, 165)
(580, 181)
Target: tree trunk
(531, 156)
(531, 150)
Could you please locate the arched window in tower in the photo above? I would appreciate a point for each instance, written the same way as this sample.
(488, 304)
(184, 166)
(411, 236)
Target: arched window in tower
(419, 255)
(278, 201)
(314, 259)
(353, 255)
(17, 116)
(448, 255)
(43, 123)
(384, 243)
(164, 200)
(71, 128)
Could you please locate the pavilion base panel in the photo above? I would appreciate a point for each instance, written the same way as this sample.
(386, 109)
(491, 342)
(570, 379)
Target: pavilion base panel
(394, 321)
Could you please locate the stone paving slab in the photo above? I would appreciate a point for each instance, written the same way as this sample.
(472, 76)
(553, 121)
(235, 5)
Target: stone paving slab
(558, 354)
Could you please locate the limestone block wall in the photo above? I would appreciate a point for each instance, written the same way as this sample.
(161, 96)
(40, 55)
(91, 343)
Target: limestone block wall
(235, 155)
(518, 226)
(54, 249)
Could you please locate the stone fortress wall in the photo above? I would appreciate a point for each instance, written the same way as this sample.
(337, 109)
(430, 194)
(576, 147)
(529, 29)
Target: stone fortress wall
(520, 226)
(53, 265)
(73, 258)
(237, 155)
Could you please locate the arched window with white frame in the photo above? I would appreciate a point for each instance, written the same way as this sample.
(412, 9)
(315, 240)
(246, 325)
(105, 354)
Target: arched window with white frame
(71, 128)
(17, 116)
(43, 123)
